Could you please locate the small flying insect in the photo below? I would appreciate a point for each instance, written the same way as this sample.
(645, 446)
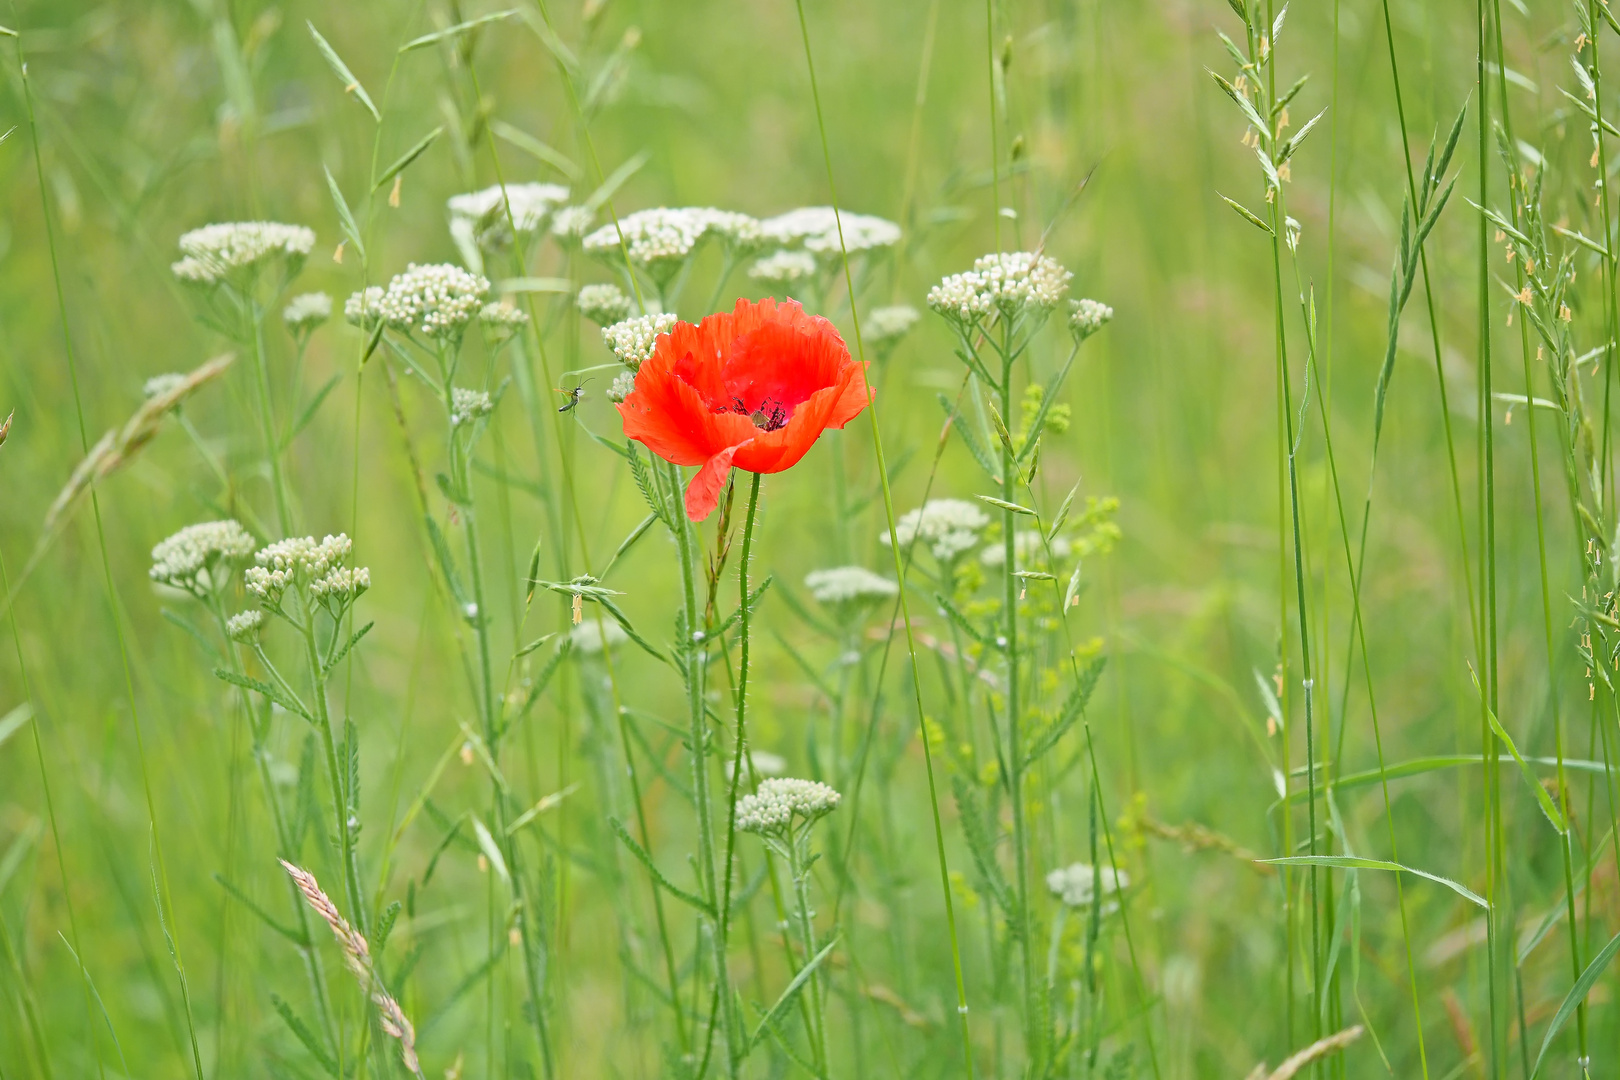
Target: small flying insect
(573, 395)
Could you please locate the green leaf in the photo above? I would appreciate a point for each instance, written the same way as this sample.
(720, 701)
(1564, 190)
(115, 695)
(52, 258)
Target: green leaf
(341, 70)
(1004, 505)
(304, 1035)
(965, 624)
(265, 689)
(1542, 798)
(447, 564)
(1242, 102)
(492, 852)
(1038, 422)
(981, 845)
(455, 31)
(248, 902)
(958, 424)
(1351, 862)
(13, 721)
(657, 875)
(616, 179)
(407, 157)
(533, 146)
(1072, 710)
(791, 994)
(1061, 518)
(337, 658)
(177, 619)
(351, 231)
(310, 410)
(1573, 999)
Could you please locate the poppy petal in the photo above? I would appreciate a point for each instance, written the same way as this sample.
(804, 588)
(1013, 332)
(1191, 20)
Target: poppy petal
(672, 420)
(703, 493)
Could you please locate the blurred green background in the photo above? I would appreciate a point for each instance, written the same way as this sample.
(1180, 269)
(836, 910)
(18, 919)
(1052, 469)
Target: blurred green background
(155, 118)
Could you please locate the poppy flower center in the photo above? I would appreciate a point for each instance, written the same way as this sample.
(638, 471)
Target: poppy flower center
(769, 416)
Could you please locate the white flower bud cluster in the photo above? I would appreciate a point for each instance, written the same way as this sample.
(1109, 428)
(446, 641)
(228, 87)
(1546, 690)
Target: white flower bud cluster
(1011, 283)
(887, 325)
(295, 560)
(634, 339)
(244, 626)
(948, 527)
(468, 405)
(1027, 548)
(591, 637)
(847, 584)
(364, 308)
(214, 252)
(341, 583)
(437, 300)
(661, 238)
(783, 267)
(779, 800)
(815, 228)
(621, 386)
(184, 559)
(305, 312)
(570, 223)
(1086, 317)
(1077, 885)
(484, 212)
(604, 305)
(502, 320)
(162, 385)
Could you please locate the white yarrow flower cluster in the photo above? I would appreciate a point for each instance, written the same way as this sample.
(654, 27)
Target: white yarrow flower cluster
(501, 320)
(186, 559)
(848, 584)
(773, 808)
(364, 308)
(437, 300)
(948, 527)
(482, 214)
(244, 626)
(468, 405)
(633, 339)
(569, 224)
(621, 386)
(293, 561)
(1027, 548)
(341, 583)
(886, 325)
(604, 305)
(660, 239)
(591, 637)
(1086, 317)
(1011, 283)
(783, 267)
(305, 312)
(214, 253)
(815, 228)
(1077, 885)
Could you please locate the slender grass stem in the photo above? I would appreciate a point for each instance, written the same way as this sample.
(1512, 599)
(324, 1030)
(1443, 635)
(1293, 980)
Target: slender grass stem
(894, 546)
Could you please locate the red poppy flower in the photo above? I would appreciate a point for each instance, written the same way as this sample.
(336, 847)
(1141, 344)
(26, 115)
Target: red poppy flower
(751, 388)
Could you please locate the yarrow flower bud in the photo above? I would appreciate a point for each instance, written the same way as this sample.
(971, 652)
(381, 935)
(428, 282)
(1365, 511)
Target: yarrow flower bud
(661, 239)
(304, 313)
(501, 320)
(186, 559)
(364, 308)
(214, 253)
(848, 584)
(815, 228)
(468, 405)
(632, 340)
(244, 626)
(887, 325)
(772, 809)
(1077, 885)
(948, 527)
(295, 560)
(1011, 283)
(437, 300)
(783, 268)
(482, 215)
(1086, 317)
(342, 583)
(621, 387)
(604, 305)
